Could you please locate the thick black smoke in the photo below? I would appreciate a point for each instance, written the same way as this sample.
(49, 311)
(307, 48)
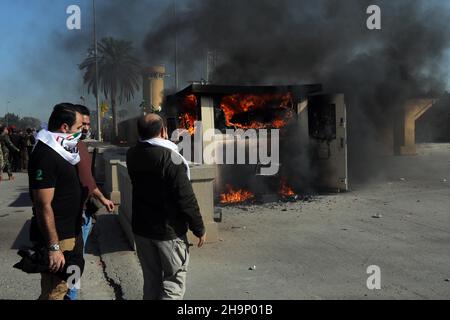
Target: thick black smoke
(320, 41)
(291, 42)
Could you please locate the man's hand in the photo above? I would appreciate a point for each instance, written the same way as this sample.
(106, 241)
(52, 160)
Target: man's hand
(109, 205)
(57, 261)
(201, 241)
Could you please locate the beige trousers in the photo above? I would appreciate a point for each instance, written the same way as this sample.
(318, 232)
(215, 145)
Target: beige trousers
(52, 287)
(164, 265)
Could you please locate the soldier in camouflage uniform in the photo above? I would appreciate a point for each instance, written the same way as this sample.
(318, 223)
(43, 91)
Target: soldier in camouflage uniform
(1, 163)
(6, 144)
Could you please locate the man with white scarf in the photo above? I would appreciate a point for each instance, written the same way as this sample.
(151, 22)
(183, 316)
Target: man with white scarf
(164, 208)
(56, 194)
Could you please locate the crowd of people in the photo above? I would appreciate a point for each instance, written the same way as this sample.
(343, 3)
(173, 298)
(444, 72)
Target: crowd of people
(15, 149)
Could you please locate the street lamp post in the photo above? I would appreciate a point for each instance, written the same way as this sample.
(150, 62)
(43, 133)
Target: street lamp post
(99, 125)
(176, 44)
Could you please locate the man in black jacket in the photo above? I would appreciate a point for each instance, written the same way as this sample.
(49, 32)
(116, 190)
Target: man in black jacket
(164, 208)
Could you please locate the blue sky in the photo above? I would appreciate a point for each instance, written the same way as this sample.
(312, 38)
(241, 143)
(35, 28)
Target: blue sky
(25, 27)
(36, 70)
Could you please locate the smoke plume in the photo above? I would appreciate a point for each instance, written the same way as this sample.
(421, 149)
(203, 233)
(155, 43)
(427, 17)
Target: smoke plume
(323, 41)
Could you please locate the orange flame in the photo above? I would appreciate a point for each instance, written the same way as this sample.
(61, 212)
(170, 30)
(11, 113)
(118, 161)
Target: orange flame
(188, 118)
(242, 103)
(235, 196)
(190, 102)
(277, 124)
(187, 122)
(285, 190)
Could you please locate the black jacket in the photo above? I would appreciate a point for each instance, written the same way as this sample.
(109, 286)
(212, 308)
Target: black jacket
(164, 203)
(35, 260)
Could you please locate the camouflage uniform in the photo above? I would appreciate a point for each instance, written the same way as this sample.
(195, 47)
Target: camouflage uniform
(6, 145)
(1, 163)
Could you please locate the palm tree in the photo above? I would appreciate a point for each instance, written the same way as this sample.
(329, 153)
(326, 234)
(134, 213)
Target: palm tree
(118, 73)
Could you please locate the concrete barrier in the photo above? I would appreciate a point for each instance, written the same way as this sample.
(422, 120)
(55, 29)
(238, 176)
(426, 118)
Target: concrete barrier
(100, 150)
(111, 184)
(426, 149)
(125, 207)
(106, 158)
(202, 178)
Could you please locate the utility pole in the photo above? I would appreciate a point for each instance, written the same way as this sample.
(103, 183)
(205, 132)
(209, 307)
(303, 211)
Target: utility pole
(176, 43)
(99, 122)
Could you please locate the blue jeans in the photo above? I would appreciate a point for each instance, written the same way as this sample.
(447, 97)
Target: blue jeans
(72, 294)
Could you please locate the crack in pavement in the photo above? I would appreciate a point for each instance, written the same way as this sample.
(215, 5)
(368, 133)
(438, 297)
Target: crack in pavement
(118, 292)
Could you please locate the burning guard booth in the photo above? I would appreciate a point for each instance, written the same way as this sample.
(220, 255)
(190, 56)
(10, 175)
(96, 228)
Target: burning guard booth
(312, 136)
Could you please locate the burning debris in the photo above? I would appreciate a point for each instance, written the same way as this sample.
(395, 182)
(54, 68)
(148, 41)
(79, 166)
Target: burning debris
(235, 196)
(285, 190)
(239, 196)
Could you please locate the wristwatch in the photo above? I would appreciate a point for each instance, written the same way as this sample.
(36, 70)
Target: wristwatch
(54, 247)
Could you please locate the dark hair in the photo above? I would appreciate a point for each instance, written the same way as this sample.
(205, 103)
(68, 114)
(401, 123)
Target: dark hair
(2, 128)
(62, 113)
(148, 129)
(83, 110)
